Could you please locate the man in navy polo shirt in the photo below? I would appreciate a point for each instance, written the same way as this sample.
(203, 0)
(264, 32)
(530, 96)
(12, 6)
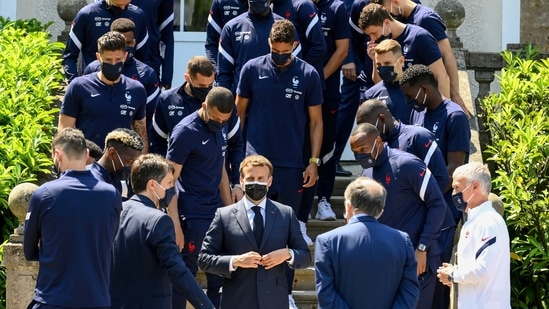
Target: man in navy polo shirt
(197, 149)
(276, 94)
(243, 38)
(122, 147)
(334, 22)
(414, 202)
(100, 102)
(176, 104)
(418, 46)
(304, 16)
(69, 229)
(94, 20)
(444, 118)
(133, 68)
(221, 12)
(409, 12)
(389, 63)
(420, 142)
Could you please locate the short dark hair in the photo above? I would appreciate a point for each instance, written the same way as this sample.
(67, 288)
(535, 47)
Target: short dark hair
(366, 195)
(200, 64)
(221, 98)
(366, 128)
(370, 109)
(373, 15)
(72, 142)
(111, 41)
(123, 138)
(256, 160)
(418, 74)
(123, 25)
(147, 167)
(282, 31)
(95, 151)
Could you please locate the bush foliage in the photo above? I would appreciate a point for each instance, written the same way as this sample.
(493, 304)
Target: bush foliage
(517, 120)
(30, 75)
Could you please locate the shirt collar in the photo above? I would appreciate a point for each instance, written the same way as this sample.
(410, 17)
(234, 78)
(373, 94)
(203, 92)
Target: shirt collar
(249, 204)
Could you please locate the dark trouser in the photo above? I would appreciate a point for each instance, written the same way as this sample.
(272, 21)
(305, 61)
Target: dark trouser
(287, 188)
(427, 283)
(194, 231)
(36, 305)
(442, 293)
(327, 170)
(350, 100)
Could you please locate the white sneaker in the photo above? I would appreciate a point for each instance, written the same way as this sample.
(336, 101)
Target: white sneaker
(303, 228)
(325, 211)
(291, 302)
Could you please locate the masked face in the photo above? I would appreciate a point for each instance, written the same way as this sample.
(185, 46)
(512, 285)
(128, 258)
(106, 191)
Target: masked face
(387, 72)
(414, 104)
(383, 36)
(398, 16)
(280, 59)
(365, 159)
(169, 194)
(255, 190)
(259, 7)
(457, 198)
(111, 71)
(213, 125)
(122, 174)
(199, 93)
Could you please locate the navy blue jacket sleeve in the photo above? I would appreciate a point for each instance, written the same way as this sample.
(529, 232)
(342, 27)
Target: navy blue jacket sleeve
(159, 130)
(77, 37)
(226, 59)
(213, 32)
(235, 148)
(162, 239)
(308, 18)
(165, 18)
(40, 200)
(141, 38)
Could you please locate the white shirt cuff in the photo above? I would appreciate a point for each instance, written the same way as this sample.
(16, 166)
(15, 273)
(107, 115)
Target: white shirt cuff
(291, 261)
(231, 267)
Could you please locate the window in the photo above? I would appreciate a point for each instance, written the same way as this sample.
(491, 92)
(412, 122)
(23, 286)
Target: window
(193, 15)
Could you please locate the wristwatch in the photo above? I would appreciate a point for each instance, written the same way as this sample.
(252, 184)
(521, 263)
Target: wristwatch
(421, 248)
(315, 161)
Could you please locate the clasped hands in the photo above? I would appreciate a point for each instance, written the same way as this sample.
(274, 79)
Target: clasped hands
(253, 259)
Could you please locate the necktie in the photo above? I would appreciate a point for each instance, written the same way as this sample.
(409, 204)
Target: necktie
(258, 225)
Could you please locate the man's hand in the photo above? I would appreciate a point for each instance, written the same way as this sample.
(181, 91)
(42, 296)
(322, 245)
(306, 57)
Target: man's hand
(370, 50)
(236, 194)
(310, 175)
(179, 238)
(251, 259)
(421, 258)
(444, 272)
(275, 258)
(349, 71)
(456, 97)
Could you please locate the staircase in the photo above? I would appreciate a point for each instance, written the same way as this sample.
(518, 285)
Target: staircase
(304, 281)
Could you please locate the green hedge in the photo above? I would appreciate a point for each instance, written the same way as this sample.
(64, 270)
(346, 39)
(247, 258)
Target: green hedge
(30, 76)
(518, 122)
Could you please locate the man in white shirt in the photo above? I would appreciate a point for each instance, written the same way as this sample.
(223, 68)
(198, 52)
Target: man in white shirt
(482, 274)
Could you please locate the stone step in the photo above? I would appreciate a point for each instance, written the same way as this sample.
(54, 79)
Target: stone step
(316, 227)
(338, 206)
(304, 299)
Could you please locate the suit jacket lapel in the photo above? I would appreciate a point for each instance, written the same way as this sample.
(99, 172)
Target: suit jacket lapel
(242, 219)
(270, 216)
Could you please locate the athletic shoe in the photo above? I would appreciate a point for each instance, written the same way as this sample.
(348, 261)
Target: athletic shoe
(325, 211)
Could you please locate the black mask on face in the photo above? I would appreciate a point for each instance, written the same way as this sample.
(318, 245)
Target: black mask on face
(213, 125)
(280, 59)
(399, 16)
(458, 201)
(415, 105)
(130, 50)
(199, 93)
(387, 72)
(116, 10)
(383, 36)
(256, 191)
(122, 174)
(111, 71)
(169, 194)
(259, 7)
(365, 159)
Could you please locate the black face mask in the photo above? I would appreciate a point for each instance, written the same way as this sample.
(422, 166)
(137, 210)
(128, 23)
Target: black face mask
(458, 201)
(122, 174)
(280, 59)
(256, 191)
(399, 17)
(130, 50)
(415, 105)
(111, 71)
(199, 93)
(213, 125)
(116, 10)
(169, 194)
(387, 73)
(383, 36)
(259, 7)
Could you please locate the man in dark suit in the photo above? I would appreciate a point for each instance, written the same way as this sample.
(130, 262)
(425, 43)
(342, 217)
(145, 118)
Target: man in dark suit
(365, 264)
(146, 259)
(249, 242)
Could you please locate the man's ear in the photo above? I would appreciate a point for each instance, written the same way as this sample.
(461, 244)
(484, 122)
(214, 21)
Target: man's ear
(98, 57)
